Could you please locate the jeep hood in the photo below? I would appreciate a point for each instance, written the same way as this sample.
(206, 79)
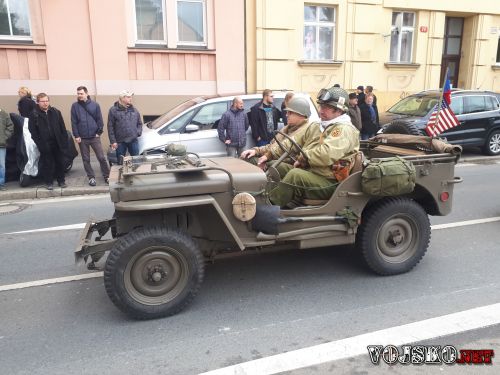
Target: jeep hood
(214, 176)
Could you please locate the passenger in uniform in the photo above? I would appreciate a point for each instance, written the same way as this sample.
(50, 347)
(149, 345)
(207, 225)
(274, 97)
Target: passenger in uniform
(328, 154)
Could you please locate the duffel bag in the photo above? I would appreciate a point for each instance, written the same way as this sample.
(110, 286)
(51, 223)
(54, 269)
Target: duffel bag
(388, 177)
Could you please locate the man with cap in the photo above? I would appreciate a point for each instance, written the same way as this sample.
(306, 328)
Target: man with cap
(327, 155)
(297, 113)
(354, 112)
(124, 126)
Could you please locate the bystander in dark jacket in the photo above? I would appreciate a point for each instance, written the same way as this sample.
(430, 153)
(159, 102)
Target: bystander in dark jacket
(232, 128)
(6, 131)
(354, 111)
(369, 118)
(124, 126)
(87, 126)
(264, 117)
(26, 104)
(48, 131)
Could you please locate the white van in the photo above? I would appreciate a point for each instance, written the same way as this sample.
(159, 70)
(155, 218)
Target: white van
(194, 124)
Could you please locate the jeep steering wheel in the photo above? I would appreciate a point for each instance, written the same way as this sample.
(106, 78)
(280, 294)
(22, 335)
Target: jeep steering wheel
(287, 152)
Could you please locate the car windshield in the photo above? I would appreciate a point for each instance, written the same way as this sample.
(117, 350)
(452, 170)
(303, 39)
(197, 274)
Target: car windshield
(415, 105)
(163, 119)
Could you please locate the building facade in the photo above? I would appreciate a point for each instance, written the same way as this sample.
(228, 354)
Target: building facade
(163, 50)
(397, 46)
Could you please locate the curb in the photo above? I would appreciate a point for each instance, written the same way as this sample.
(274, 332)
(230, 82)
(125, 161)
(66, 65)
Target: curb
(41, 192)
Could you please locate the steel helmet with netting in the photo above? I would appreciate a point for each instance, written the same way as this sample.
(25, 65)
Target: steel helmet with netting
(299, 105)
(335, 97)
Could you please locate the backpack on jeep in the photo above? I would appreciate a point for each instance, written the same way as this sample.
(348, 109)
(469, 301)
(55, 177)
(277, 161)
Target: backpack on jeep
(388, 177)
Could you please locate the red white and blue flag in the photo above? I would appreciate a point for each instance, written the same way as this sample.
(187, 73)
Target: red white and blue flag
(442, 118)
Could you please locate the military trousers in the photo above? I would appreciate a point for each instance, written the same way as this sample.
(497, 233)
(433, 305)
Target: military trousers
(298, 184)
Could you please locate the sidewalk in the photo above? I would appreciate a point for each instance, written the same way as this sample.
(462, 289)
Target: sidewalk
(76, 179)
(78, 183)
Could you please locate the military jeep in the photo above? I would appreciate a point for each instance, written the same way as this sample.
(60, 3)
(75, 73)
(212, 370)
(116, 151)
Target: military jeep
(175, 213)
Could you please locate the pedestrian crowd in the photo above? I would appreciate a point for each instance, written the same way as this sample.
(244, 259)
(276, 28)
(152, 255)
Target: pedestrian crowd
(48, 132)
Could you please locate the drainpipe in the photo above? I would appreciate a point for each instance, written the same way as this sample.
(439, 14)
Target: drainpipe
(245, 38)
(92, 49)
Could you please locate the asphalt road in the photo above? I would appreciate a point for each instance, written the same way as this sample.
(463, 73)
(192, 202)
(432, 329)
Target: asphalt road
(249, 307)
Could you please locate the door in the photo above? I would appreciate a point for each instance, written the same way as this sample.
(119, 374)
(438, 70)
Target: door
(452, 49)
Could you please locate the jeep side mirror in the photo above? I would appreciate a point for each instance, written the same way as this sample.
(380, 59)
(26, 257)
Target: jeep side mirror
(191, 128)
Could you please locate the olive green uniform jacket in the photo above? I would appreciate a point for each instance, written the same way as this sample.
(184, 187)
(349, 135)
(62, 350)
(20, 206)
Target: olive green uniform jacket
(273, 148)
(338, 141)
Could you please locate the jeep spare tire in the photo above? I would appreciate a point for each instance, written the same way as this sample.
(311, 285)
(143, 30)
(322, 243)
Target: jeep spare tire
(401, 127)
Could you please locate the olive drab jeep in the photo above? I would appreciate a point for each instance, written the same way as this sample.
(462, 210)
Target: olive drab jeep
(174, 211)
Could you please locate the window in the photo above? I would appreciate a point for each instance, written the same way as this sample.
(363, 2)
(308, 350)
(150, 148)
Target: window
(191, 23)
(14, 20)
(457, 105)
(475, 104)
(208, 115)
(402, 31)
(150, 21)
(319, 32)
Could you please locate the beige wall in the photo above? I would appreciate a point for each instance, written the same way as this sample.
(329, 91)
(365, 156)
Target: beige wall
(362, 46)
(92, 43)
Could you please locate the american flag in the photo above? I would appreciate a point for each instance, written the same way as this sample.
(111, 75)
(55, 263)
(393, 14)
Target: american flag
(446, 120)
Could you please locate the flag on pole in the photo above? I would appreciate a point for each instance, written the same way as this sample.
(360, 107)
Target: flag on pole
(441, 119)
(447, 89)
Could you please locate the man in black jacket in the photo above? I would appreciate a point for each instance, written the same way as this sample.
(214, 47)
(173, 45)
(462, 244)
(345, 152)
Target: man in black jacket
(263, 118)
(87, 126)
(48, 131)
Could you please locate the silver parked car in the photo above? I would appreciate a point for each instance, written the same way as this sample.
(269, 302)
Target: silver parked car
(194, 124)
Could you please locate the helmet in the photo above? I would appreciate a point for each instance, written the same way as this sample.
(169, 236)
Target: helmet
(299, 105)
(335, 97)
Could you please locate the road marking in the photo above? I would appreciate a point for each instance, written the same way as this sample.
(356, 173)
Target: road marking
(433, 227)
(50, 229)
(57, 280)
(62, 199)
(445, 325)
(465, 223)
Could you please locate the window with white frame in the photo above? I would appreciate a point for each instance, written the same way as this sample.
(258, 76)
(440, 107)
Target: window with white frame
(191, 23)
(14, 20)
(150, 21)
(319, 32)
(402, 32)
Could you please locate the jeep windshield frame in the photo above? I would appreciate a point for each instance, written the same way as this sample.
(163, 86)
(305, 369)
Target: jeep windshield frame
(415, 105)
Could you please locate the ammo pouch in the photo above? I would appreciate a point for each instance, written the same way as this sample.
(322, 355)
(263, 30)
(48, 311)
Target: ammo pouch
(388, 177)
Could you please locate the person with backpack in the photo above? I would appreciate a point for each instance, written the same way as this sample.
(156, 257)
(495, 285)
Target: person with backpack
(87, 126)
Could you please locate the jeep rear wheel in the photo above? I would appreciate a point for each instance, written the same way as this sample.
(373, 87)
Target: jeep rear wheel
(153, 272)
(399, 127)
(394, 235)
(492, 145)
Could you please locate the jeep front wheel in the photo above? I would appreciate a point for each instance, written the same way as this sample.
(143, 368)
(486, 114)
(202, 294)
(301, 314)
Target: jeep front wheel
(153, 272)
(394, 235)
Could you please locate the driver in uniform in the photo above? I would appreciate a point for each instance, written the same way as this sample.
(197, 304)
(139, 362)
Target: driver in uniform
(326, 156)
(298, 113)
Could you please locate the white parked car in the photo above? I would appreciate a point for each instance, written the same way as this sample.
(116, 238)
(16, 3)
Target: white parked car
(194, 124)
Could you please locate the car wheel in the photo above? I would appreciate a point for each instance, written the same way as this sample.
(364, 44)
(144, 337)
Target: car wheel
(399, 127)
(492, 145)
(153, 272)
(394, 235)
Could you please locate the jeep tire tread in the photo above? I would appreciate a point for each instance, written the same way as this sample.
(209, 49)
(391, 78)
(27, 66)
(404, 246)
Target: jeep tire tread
(153, 272)
(394, 235)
